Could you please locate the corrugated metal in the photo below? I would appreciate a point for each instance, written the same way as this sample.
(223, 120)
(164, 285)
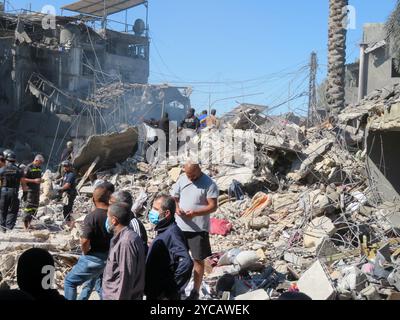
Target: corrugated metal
(99, 7)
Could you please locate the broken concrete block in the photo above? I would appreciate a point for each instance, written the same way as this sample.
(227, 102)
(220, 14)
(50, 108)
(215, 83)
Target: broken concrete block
(394, 279)
(318, 229)
(242, 175)
(246, 259)
(353, 280)
(394, 296)
(7, 262)
(258, 223)
(260, 294)
(371, 293)
(41, 234)
(175, 173)
(294, 259)
(316, 284)
(46, 219)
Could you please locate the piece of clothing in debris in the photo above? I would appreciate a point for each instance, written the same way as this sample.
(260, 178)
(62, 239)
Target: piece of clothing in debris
(191, 123)
(124, 274)
(10, 178)
(193, 196)
(137, 226)
(95, 231)
(33, 192)
(168, 265)
(199, 244)
(220, 226)
(88, 267)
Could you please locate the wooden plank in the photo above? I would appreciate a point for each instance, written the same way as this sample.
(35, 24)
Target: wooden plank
(88, 172)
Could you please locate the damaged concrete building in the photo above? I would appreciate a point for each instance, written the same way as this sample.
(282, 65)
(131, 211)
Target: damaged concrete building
(77, 78)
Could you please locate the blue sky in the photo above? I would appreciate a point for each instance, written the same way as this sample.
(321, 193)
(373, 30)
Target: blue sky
(229, 48)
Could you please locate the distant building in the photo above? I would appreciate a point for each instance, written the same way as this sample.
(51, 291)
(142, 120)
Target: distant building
(377, 61)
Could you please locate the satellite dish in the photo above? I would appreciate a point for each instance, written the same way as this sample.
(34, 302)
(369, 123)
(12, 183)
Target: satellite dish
(139, 27)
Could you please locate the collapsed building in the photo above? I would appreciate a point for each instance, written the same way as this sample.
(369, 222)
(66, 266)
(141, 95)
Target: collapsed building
(77, 79)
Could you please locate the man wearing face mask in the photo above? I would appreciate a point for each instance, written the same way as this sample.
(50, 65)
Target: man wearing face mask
(95, 243)
(124, 274)
(168, 265)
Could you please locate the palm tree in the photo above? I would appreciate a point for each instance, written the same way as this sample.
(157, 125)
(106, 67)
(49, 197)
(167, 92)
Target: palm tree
(337, 54)
(393, 34)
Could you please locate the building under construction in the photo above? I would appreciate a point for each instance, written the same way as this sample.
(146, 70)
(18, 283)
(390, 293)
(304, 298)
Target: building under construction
(70, 77)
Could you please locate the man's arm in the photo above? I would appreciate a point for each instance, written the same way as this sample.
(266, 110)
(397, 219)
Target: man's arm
(85, 246)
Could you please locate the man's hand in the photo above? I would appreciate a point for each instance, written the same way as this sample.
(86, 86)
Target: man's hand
(180, 212)
(191, 214)
(38, 181)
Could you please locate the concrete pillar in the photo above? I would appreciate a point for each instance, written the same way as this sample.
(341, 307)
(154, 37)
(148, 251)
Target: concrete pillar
(362, 73)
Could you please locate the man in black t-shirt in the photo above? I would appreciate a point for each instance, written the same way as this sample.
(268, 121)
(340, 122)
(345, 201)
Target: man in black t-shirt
(95, 243)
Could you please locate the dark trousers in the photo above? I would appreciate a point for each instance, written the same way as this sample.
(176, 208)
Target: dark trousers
(9, 206)
(32, 205)
(67, 209)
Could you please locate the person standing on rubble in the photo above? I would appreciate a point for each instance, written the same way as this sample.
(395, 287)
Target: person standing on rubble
(191, 121)
(168, 264)
(66, 155)
(95, 243)
(68, 189)
(196, 196)
(10, 179)
(202, 119)
(212, 121)
(124, 274)
(32, 180)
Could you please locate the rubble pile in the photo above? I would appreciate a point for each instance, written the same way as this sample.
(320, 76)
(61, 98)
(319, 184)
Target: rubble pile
(305, 218)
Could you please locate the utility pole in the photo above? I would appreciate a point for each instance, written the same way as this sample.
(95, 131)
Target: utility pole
(312, 101)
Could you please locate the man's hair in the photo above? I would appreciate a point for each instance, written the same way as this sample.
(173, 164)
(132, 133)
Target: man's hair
(123, 196)
(101, 195)
(205, 112)
(108, 186)
(39, 157)
(213, 112)
(122, 212)
(167, 203)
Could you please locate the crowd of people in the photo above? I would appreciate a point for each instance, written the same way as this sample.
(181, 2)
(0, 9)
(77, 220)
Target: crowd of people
(117, 260)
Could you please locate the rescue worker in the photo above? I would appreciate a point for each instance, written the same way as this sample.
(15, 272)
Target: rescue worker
(10, 179)
(191, 121)
(32, 180)
(68, 189)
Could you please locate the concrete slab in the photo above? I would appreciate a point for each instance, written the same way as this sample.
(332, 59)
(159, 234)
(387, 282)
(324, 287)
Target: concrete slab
(316, 284)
